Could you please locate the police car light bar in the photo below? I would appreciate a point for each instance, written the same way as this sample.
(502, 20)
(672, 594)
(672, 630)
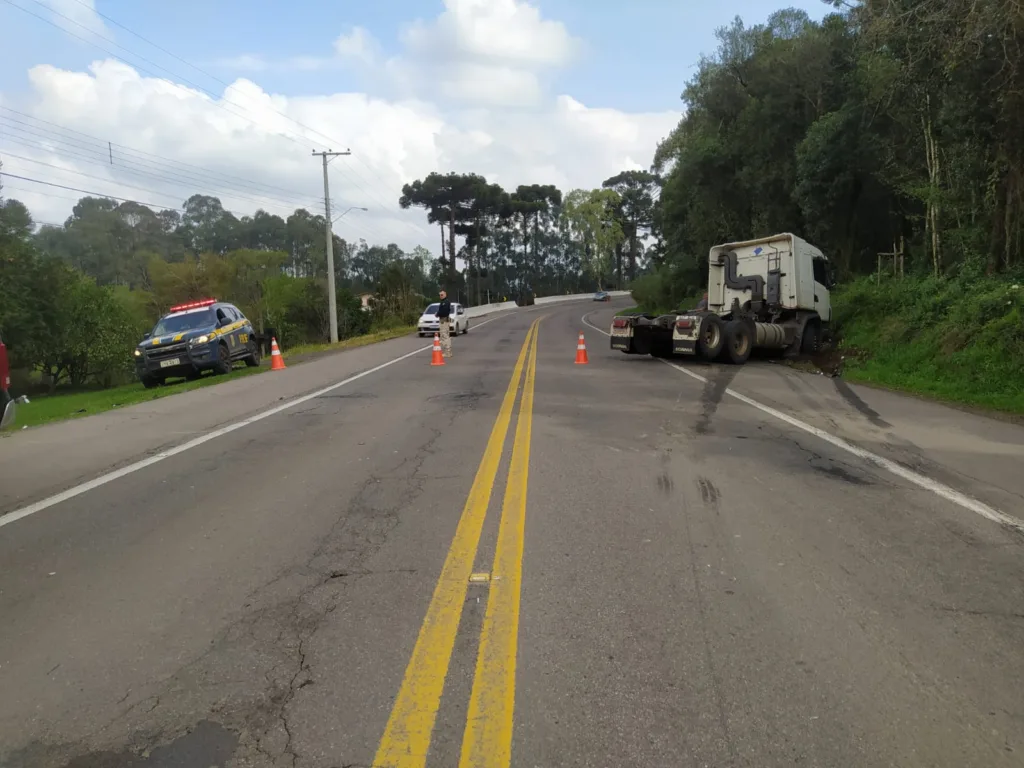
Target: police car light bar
(192, 305)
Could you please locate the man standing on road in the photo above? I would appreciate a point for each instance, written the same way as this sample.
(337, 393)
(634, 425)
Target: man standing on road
(444, 313)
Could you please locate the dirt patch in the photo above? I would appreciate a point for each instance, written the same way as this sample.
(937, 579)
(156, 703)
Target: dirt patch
(828, 361)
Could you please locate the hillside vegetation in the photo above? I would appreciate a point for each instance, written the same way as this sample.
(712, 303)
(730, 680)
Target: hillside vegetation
(956, 339)
(887, 127)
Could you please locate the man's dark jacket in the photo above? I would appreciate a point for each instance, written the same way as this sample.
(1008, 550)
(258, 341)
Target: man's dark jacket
(444, 309)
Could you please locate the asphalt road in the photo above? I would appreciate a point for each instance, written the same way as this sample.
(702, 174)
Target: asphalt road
(514, 560)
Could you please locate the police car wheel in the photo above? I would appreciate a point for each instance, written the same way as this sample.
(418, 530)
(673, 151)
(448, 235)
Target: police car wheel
(253, 360)
(223, 365)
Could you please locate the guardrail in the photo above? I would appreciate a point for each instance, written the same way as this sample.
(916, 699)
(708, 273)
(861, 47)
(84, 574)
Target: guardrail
(576, 297)
(486, 309)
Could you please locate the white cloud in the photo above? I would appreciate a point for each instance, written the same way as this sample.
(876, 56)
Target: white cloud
(504, 31)
(78, 17)
(357, 44)
(249, 148)
(489, 52)
(493, 86)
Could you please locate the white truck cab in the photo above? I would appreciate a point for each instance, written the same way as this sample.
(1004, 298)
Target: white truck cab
(772, 292)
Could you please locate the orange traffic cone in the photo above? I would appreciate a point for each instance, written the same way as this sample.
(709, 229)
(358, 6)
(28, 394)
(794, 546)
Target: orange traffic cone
(581, 351)
(276, 361)
(436, 358)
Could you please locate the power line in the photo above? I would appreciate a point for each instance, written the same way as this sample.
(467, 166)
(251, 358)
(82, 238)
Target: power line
(102, 145)
(100, 158)
(268, 204)
(217, 99)
(228, 85)
(90, 192)
(175, 180)
(236, 214)
(217, 79)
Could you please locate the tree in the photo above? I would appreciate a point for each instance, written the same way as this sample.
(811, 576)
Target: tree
(482, 216)
(448, 200)
(532, 203)
(590, 217)
(637, 190)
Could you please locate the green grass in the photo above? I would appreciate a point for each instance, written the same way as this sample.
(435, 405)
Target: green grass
(308, 350)
(43, 409)
(957, 340)
(689, 302)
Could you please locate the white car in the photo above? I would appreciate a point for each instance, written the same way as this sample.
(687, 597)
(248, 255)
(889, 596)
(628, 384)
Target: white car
(429, 324)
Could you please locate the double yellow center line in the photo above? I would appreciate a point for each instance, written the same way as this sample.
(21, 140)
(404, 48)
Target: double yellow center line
(487, 740)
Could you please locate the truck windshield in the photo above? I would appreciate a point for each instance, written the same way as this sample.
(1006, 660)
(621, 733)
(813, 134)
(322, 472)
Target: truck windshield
(185, 321)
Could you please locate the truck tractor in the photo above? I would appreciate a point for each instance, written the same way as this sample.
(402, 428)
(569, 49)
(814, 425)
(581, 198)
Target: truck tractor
(771, 293)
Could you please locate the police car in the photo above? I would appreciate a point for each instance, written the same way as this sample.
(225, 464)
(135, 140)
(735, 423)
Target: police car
(195, 337)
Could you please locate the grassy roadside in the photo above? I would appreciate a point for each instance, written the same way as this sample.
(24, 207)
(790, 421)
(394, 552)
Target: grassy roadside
(956, 340)
(44, 409)
(302, 352)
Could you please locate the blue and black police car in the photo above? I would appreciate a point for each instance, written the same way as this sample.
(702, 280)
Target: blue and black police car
(195, 337)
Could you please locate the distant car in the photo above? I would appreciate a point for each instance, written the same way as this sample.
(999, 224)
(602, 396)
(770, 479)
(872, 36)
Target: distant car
(429, 324)
(195, 337)
(602, 296)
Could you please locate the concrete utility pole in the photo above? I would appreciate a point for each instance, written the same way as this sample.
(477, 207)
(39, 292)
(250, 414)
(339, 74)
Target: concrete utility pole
(332, 298)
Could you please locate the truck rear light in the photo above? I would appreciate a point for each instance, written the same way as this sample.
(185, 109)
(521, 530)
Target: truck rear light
(684, 325)
(620, 322)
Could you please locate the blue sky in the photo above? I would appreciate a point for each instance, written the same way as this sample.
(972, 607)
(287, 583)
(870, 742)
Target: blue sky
(560, 92)
(637, 55)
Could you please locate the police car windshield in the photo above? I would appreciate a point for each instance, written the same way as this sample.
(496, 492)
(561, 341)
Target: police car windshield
(432, 309)
(185, 321)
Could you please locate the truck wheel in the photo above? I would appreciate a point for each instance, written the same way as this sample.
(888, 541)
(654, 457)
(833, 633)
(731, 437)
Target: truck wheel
(149, 382)
(739, 342)
(712, 337)
(811, 338)
(223, 365)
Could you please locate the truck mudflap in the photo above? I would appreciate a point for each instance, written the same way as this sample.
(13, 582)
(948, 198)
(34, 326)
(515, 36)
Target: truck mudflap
(685, 332)
(621, 335)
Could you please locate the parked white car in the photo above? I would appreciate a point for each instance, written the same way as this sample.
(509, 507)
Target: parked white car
(429, 324)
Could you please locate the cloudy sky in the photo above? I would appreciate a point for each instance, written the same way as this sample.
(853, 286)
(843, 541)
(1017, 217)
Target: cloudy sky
(155, 101)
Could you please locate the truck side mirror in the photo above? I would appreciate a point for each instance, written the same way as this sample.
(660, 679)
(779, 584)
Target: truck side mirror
(146, 335)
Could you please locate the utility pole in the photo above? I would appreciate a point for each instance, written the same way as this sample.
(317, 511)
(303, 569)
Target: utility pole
(332, 298)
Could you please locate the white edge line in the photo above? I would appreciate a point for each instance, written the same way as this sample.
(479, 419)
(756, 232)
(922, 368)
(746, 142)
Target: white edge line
(587, 322)
(922, 481)
(109, 477)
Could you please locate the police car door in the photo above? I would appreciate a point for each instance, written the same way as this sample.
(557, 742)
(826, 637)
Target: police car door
(225, 322)
(245, 331)
(240, 339)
